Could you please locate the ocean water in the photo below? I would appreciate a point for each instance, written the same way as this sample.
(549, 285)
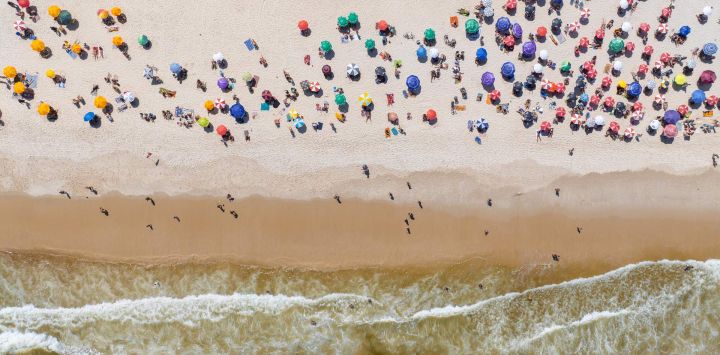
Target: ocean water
(69, 306)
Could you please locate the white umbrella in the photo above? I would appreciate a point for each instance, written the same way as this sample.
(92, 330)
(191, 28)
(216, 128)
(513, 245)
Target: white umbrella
(599, 120)
(659, 99)
(537, 68)
(487, 3)
(691, 64)
(488, 12)
(128, 96)
(433, 53)
(314, 86)
(654, 125)
(626, 26)
(629, 132)
(638, 115)
(543, 54)
(19, 26)
(624, 4)
(218, 57)
(707, 10)
(590, 123)
(353, 69)
(617, 65)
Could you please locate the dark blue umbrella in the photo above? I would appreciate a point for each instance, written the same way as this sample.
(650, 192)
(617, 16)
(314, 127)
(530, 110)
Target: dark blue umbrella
(175, 68)
(421, 52)
(697, 97)
(89, 116)
(671, 117)
(634, 89)
(528, 49)
(488, 79)
(237, 110)
(502, 24)
(684, 31)
(412, 82)
(517, 30)
(710, 49)
(556, 3)
(507, 69)
(481, 54)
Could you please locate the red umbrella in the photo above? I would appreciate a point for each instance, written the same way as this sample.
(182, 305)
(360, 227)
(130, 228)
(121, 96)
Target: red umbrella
(643, 68)
(303, 25)
(648, 50)
(600, 34)
(560, 88)
(382, 25)
(24, 3)
(594, 100)
(665, 57)
(545, 126)
(510, 4)
(670, 131)
(614, 126)
(609, 102)
(560, 112)
(431, 115)
(644, 27)
(637, 106)
(576, 119)
(592, 74)
(573, 27)
(629, 46)
(606, 82)
(666, 12)
(542, 31)
(584, 42)
(314, 86)
(221, 130)
(629, 132)
(712, 100)
(588, 66)
(509, 41)
(220, 103)
(495, 95)
(683, 109)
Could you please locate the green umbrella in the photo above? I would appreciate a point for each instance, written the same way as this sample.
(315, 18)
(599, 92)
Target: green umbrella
(247, 76)
(472, 26)
(143, 40)
(616, 45)
(352, 18)
(370, 44)
(325, 46)
(429, 34)
(340, 99)
(565, 66)
(203, 122)
(342, 21)
(64, 17)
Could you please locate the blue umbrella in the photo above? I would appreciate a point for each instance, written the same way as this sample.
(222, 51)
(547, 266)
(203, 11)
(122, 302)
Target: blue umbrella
(412, 82)
(710, 49)
(507, 69)
(89, 116)
(684, 31)
(671, 117)
(237, 110)
(528, 49)
(634, 89)
(481, 54)
(488, 79)
(482, 125)
(517, 30)
(299, 123)
(175, 68)
(584, 98)
(556, 3)
(502, 24)
(421, 52)
(697, 97)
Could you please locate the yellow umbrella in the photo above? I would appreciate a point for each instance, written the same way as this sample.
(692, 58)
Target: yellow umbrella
(117, 41)
(43, 109)
(100, 102)
(103, 14)
(54, 11)
(76, 48)
(19, 88)
(50, 73)
(209, 105)
(680, 79)
(203, 122)
(10, 71)
(37, 45)
(339, 116)
(116, 11)
(622, 84)
(365, 99)
(293, 113)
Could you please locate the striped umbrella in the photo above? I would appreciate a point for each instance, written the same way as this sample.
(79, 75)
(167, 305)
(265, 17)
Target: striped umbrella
(665, 57)
(663, 28)
(643, 68)
(683, 109)
(585, 13)
(659, 99)
(637, 106)
(314, 86)
(353, 69)
(560, 88)
(365, 99)
(545, 84)
(638, 115)
(220, 104)
(495, 95)
(594, 100)
(659, 64)
(584, 42)
(19, 25)
(644, 27)
(574, 27)
(629, 46)
(711, 100)
(629, 132)
(576, 119)
(609, 102)
(560, 112)
(606, 82)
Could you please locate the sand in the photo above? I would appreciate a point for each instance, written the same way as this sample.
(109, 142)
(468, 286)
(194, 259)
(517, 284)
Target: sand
(287, 215)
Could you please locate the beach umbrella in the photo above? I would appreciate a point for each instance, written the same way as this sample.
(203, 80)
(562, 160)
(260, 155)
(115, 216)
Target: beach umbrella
(684, 31)
(43, 109)
(431, 115)
(697, 97)
(617, 65)
(541, 31)
(680, 79)
(482, 125)
(412, 82)
(712, 100)
(592, 74)
(223, 83)
(648, 50)
(663, 28)
(488, 12)
(488, 79)
(507, 69)
(353, 18)
(543, 54)
(220, 104)
(671, 117)
(683, 109)
(486, 3)
(64, 17)
(622, 84)
(707, 77)
(626, 26)
(600, 34)
(267, 95)
(629, 46)
(472, 26)
(434, 53)
(599, 120)
(565, 66)
(218, 57)
(654, 125)
(643, 68)
(369, 44)
(203, 122)
(609, 102)
(352, 69)
(37, 45)
(658, 64)
(559, 88)
(670, 131)
(365, 99)
(117, 41)
(340, 99)
(382, 25)
(325, 46)
(9, 71)
(528, 49)
(246, 76)
(502, 24)
(560, 112)
(221, 130)
(629, 132)
(614, 126)
(574, 26)
(585, 13)
(303, 25)
(299, 123)
(429, 34)
(19, 25)
(537, 68)
(584, 42)
(89, 116)
(100, 102)
(575, 119)
(143, 40)
(594, 100)
(638, 115)
(116, 11)
(545, 126)
(584, 97)
(634, 89)
(545, 84)
(637, 106)
(326, 69)
(510, 5)
(209, 105)
(421, 52)
(556, 23)
(128, 96)
(517, 31)
(23, 3)
(50, 73)
(623, 4)
(710, 49)
(342, 21)
(314, 86)
(175, 68)
(495, 95)
(707, 10)
(237, 110)
(509, 41)
(53, 11)
(481, 54)
(659, 99)
(616, 45)
(644, 27)
(103, 14)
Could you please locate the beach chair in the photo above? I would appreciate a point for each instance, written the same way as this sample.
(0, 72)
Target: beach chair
(122, 107)
(32, 80)
(460, 107)
(248, 43)
(454, 21)
(390, 99)
(119, 99)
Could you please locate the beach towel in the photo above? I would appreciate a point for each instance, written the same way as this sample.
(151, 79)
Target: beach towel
(180, 112)
(31, 80)
(561, 38)
(249, 44)
(264, 106)
(71, 54)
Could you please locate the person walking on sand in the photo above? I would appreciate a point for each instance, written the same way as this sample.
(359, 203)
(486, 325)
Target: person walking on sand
(104, 211)
(150, 226)
(149, 199)
(337, 198)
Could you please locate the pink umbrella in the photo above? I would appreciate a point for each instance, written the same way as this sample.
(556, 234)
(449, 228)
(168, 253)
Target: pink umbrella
(711, 100)
(683, 109)
(670, 131)
(614, 126)
(600, 34)
(643, 68)
(629, 132)
(638, 115)
(665, 57)
(648, 50)
(659, 64)
(573, 27)
(637, 106)
(220, 104)
(495, 95)
(560, 112)
(659, 99)
(545, 84)
(584, 42)
(510, 4)
(560, 88)
(587, 66)
(314, 86)
(606, 82)
(666, 12)
(609, 102)
(509, 41)
(663, 28)
(644, 27)
(629, 46)
(545, 126)
(592, 74)
(585, 13)
(594, 100)
(576, 119)
(19, 25)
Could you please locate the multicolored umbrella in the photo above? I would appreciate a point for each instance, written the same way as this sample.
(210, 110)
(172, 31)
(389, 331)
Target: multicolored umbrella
(365, 99)
(19, 26)
(663, 28)
(584, 42)
(643, 68)
(660, 99)
(629, 46)
(220, 104)
(560, 112)
(509, 41)
(574, 26)
(495, 95)
(609, 102)
(644, 27)
(585, 13)
(314, 86)
(629, 132)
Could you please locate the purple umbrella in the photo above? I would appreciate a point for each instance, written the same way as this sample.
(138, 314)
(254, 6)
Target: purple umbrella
(528, 49)
(517, 30)
(671, 117)
(488, 79)
(326, 69)
(222, 83)
(707, 77)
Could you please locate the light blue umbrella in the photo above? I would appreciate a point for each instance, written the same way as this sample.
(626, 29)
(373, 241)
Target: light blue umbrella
(175, 68)
(508, 69)
(89, 116)
(710, 49)
(299, 123)
(412, 82)
(421, 52)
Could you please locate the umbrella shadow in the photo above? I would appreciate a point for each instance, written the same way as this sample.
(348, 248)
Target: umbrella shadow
(344, 108)
(242, 119)
(214, 111)
(329, 76)
(73, 25)
(472, 36)
(422, 59)
(306, 33)
(223, 64)
(209, 129)
(372, 52)
(96, 122)
(109, 108)
(355, 77)
(148, 45)
(667, 140)
(302, 129)
(489, 20)
(135, 103)
(329, 54)
(83, 55)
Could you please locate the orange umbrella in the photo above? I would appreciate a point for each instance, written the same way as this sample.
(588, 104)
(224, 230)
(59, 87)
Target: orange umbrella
(100, 102)
(116, 11)
(43, 109)
(76, 48)
(117, 41)
(10, 71)
(431, 115)
(103, 14)
(382, 25)
(209, 105)
(541, 31)
(19, 88)
(37, 45)
(303, 25)
(54, 11)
